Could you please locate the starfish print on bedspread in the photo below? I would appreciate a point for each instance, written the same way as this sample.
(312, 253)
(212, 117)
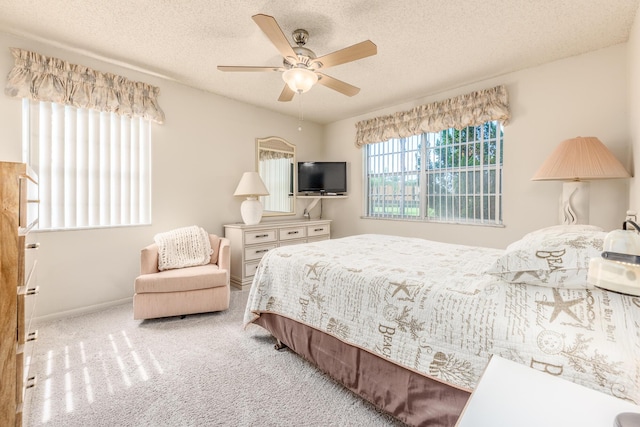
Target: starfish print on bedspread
(403, 286)
(559, 305)
(313, 268)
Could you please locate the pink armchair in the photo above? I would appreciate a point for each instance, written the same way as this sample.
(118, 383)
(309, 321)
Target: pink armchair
(182, 291)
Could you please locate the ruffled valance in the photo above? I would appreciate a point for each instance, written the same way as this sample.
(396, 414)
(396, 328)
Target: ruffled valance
(43, 78)
(471, 109)
(271, 155)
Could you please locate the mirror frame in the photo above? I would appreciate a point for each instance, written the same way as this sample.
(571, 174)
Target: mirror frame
(274, 143)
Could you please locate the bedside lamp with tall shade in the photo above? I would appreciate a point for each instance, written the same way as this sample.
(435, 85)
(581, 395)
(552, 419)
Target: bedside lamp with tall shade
(251, 186)
(575, 161)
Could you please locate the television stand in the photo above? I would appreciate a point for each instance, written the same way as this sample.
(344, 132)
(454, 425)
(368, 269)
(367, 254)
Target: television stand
(313, 201)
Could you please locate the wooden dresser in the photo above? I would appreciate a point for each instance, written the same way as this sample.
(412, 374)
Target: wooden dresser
(250, 242)
(19, 214)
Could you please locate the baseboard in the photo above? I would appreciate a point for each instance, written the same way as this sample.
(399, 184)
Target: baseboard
(83, 310)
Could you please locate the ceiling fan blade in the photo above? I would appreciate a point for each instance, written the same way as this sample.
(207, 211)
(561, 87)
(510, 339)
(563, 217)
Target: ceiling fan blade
(286, 95)
(247, 68)
(348, 54)
(271, 29)
(338, 85)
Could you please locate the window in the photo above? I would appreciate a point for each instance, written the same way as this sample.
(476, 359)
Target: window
(93, 167)
(87, 134)
(449, 176)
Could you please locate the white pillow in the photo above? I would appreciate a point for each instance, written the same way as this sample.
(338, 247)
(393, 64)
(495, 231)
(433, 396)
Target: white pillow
(556, 257)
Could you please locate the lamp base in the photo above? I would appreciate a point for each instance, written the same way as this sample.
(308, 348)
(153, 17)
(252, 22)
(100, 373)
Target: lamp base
(251, 211)
(575, 202)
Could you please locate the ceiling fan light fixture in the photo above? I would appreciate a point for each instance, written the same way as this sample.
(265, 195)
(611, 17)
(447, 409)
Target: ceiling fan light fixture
(300, 80)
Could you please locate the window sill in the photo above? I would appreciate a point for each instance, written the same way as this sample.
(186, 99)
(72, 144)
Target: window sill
(481, 224)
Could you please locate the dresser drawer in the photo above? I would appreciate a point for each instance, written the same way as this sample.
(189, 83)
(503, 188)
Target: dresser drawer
(260, 236)
(28, 260)
(318, 230)
(28, 209)
(293, 233)
(25, 376)
(250, 268)
(26, 307)
(292, 242)
(257, 252)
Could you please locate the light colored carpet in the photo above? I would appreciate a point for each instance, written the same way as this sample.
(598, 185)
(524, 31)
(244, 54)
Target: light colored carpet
(106, 369)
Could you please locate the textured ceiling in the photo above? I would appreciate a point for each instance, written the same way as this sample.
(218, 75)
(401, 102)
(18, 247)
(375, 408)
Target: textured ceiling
(424, 46)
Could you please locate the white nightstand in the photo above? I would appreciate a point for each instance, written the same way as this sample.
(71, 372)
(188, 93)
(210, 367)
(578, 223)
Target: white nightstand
(511, 394)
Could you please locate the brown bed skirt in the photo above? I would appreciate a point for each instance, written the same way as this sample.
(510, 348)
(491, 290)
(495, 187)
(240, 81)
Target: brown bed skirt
(407, 395)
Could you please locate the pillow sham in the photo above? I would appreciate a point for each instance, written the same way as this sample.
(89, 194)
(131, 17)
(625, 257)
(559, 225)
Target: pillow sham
(556, 257)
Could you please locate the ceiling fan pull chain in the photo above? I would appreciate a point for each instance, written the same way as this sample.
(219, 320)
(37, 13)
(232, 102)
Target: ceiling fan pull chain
(301, 114)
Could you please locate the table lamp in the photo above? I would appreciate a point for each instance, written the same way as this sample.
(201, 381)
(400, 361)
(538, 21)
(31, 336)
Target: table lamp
(574, 161)
(251, 186)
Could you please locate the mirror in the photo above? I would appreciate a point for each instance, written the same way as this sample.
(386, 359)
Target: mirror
(275, 162)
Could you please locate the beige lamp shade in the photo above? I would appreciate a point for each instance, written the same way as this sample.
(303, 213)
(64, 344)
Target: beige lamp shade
(576, 161)
(580, 158)
(251, 185)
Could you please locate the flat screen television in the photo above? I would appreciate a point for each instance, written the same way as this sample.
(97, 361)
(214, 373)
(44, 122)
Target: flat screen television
(322, 177)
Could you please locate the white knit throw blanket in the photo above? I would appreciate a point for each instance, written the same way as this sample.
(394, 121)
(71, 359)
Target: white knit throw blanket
(183, 247)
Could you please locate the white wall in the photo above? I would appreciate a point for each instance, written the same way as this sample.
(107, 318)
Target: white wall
(584, 95)
(199, 155)
(633, 49)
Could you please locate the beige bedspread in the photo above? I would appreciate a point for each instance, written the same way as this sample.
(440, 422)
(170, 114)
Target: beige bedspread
(429, 307)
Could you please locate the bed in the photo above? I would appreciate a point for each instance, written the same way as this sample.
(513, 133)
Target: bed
(410, 324)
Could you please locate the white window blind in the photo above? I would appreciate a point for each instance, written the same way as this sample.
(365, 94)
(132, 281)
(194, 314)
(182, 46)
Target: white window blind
(448, 176)
(93, 167)
(277, 176)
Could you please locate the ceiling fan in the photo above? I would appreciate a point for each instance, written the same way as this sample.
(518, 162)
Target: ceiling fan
(300, 69)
